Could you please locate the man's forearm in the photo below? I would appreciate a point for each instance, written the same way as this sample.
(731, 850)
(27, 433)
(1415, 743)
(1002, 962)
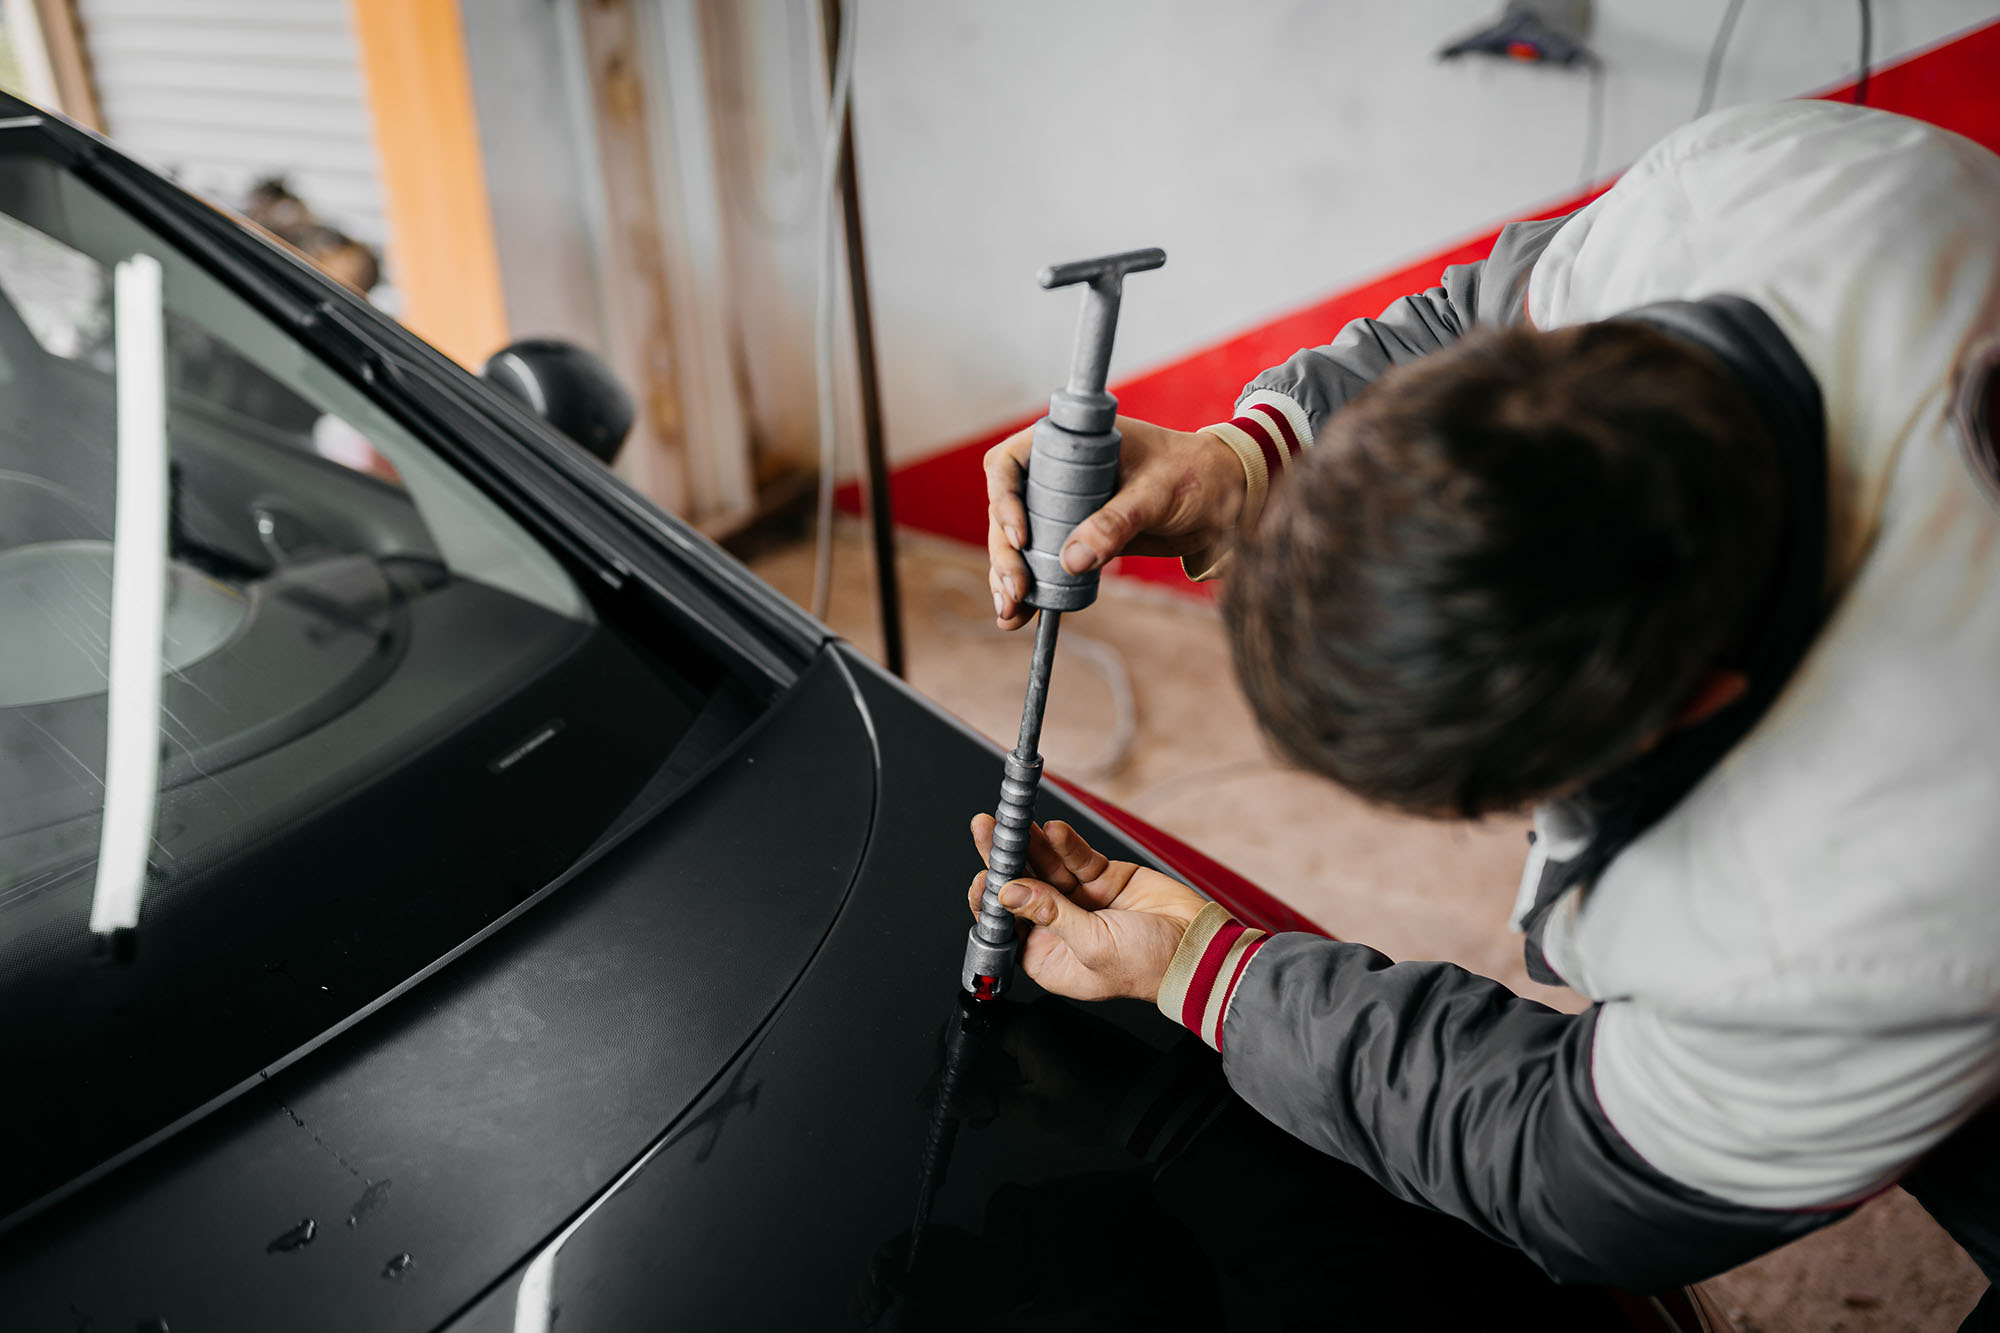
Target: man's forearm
(1452, 1091)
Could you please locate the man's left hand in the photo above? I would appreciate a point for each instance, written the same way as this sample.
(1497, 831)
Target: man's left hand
(1099, 929)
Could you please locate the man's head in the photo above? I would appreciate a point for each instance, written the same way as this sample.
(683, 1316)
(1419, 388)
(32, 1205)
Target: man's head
(1503, 570)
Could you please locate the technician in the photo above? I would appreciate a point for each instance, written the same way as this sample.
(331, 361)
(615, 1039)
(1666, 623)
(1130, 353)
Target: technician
(1673, 521)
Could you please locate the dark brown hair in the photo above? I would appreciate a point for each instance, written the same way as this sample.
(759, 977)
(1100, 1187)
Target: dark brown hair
(1505, 567)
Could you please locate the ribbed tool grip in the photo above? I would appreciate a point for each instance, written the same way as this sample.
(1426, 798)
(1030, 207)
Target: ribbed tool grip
(989, 950)
(1071, 476)
(1012, 820)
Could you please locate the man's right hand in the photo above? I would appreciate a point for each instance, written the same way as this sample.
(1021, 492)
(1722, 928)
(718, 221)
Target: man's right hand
(1178, 492)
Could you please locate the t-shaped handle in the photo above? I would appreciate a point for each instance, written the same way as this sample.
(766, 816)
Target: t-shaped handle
(1082, 405)
(1073, 461)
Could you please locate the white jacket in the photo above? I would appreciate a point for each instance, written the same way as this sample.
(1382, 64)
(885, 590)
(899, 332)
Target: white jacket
(1797, 968)
(1801, 963)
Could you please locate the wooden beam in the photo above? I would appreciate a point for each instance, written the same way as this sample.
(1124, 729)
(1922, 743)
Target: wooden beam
(69, 62)
(638, 300)
(442, 259)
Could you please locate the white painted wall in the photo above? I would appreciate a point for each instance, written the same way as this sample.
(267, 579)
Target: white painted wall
(536, 148)
(1278, 151)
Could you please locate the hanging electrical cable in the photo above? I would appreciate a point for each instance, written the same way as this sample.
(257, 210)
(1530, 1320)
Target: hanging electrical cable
(1100, 656)
(823, 312)
(747, 195)
(1593, 142)
(1713, 71)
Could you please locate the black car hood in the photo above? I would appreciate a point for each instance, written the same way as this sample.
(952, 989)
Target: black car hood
(887, 1154)
(699, 1087)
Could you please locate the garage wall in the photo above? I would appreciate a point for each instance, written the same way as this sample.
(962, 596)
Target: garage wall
(221, 93)
(1278, 151)
(1281, 151)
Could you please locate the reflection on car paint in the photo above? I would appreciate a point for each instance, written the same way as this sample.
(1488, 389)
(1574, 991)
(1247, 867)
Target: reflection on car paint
(967, 1033)
(374, 1194)
(534, 1300)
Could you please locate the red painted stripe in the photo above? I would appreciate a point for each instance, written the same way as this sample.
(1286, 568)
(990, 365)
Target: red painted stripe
(1229, 992)
(1284, 425)
(1205, 972)
(1267, 444)
(1949, 84)
(945, 493)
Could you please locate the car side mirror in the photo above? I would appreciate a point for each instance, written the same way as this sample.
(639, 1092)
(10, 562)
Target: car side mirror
(568, 387)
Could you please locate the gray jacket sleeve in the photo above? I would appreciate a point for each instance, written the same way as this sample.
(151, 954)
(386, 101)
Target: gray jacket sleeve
(1450, 1090)
(1320, 380)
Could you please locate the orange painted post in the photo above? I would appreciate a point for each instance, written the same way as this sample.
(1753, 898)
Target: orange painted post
(442, 259)
(69, 62)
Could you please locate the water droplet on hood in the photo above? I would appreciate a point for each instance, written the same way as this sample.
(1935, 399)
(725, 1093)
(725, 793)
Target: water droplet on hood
(298, 1237)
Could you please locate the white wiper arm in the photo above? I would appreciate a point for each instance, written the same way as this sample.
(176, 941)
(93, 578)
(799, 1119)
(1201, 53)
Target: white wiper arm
(138, 597)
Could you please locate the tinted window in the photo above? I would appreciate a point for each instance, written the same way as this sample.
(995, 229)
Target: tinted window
(384, 714)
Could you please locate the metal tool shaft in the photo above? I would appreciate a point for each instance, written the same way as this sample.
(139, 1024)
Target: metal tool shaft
(990, 949)
(1072, 471)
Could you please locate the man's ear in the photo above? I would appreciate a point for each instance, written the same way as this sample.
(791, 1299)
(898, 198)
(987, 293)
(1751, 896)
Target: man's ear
(1716, 691)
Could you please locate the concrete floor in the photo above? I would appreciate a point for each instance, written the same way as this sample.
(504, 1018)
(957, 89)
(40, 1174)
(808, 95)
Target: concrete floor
(1411, 888)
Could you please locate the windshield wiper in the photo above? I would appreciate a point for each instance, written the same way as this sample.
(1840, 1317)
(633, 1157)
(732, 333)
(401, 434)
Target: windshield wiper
(138, 603)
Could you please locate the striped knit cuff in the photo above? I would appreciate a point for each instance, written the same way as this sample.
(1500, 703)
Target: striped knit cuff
(1284, 415)
(1279, 430)
(1208, 562)
(1205, 969)
(1268, 432)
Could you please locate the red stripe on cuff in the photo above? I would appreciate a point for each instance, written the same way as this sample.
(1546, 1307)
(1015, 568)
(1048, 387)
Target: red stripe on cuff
(1205, 972)
(1229, 992)
(1284, 425)
(1267, 443)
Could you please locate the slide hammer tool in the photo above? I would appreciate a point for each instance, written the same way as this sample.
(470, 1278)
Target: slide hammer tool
(1072, 471)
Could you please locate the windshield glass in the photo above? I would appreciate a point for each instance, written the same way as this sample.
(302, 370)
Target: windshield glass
(288, 707)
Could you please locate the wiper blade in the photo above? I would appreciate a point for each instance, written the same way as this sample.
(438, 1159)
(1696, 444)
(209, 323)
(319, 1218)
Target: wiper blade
(138, 603)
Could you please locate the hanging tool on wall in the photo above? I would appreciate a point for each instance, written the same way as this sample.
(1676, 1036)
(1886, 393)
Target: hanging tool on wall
(1072, 472)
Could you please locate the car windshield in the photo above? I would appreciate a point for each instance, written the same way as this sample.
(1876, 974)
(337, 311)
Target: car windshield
(289, 709)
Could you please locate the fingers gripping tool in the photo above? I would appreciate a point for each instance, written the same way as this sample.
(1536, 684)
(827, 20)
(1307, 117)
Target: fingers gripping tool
(1072, 472)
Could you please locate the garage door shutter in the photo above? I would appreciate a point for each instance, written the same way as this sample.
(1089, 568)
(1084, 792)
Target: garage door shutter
(221, 93)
